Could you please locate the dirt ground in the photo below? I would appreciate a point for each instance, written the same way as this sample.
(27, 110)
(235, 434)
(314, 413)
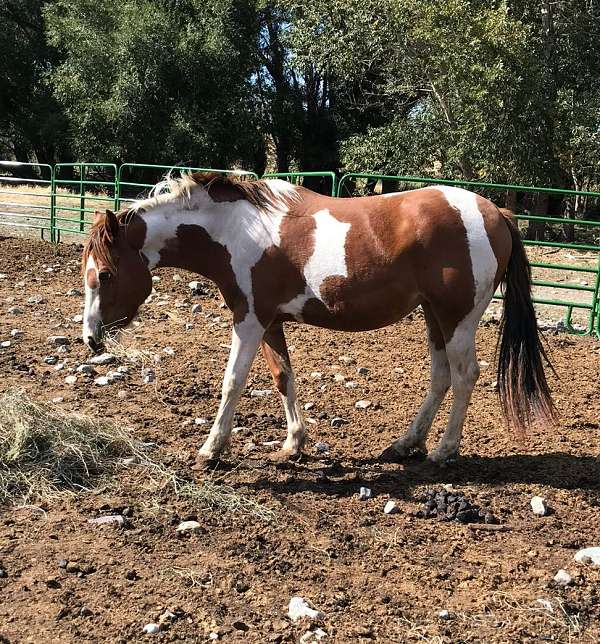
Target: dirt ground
(376, 577)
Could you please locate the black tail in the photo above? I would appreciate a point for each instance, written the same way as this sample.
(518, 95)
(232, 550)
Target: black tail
(524, 391)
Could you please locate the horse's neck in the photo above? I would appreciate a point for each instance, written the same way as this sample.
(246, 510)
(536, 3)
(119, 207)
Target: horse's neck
(209, 241)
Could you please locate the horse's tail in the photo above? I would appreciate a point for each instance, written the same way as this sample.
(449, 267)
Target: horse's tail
(522, 385)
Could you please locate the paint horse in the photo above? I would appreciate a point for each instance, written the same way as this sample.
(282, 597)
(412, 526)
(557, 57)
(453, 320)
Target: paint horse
(280, 253)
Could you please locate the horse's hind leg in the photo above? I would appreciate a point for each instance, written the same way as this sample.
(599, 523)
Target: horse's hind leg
(276, 354)
(416, 436)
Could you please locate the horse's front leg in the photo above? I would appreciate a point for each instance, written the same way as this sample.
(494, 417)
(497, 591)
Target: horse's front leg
(276, 354)
(246, 338)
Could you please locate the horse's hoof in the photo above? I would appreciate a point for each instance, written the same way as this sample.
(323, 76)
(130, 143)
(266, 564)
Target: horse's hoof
(284, 456)
(204, 463)
(442, 460)
(390, 455)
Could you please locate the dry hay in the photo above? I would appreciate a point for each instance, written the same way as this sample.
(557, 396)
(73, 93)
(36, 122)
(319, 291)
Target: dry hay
(46, 452)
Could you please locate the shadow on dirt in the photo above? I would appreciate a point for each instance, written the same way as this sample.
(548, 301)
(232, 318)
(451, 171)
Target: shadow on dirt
(342, 479)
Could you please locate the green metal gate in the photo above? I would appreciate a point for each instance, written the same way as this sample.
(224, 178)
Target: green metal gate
(297, 178)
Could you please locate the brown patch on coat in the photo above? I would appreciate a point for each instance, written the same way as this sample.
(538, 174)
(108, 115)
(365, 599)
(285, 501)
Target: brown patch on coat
(276, 354)
(193, 249)
(91, 278)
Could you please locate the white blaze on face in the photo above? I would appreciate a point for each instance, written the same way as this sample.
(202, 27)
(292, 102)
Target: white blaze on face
(327, 260)
(91, 312)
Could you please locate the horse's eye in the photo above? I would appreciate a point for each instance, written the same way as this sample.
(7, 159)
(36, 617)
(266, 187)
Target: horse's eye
(104, 276)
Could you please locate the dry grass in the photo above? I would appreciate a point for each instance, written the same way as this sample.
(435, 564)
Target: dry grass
(46, 453)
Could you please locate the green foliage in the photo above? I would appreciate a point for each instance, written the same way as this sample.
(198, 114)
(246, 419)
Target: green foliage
(165, 80)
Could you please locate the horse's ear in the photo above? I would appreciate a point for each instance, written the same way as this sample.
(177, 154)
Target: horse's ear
(111, 222)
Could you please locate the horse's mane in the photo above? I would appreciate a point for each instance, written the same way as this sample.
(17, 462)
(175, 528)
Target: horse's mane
(220, 187)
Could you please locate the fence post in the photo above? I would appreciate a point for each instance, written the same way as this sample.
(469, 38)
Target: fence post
(53, 204)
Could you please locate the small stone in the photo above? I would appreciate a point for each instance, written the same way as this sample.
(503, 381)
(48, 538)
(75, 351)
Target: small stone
(57, 400)
(63, 348)
(188, 526)
(362, 404)
(444, 615)
(122, 394)
(149, 376)
(77, 318)
(351, 384)
(5, 344)
(35, 299)
(365, 493)
(562, 578)
(200, 421)
(59, 340)
(169, 351)
(321, 448)
(14, 310)
(73, 292)
(3, 573)
(59, 366)
(299, 608)
(115, 375)
(111, 519)
(346, 359)
(102, 359)
(16, 333)
(362, 371)
(196, 287)
(589, 556)
(102, 381)
(390, 507)
(196, 309)
(155, 279)
(308, 405)
(151, 629)
(213, 636)
(123, 369)
(338, 377)
(250, 447)
(84, 611)
(87, 369)
(177, 277)
(72, 567)
(62, 563)
(189, 326)
(71, 380)
(317, 375)
(539, 506)
(260, 393)
(52, 360)
(337, 421)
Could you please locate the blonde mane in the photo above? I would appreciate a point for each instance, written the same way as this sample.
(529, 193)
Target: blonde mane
(220, 187)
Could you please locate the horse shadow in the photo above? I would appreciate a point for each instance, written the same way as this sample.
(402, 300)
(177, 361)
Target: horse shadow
(557, 470)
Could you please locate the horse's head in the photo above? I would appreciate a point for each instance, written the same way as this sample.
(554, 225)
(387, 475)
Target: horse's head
(116, 275)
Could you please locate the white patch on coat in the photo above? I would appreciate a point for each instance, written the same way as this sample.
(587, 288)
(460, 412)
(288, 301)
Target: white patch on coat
(483, 260)
(238, 226)
(327, 260)
(91, 311)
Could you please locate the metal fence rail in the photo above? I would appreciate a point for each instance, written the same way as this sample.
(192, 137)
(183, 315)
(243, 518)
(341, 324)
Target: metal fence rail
(58, 199)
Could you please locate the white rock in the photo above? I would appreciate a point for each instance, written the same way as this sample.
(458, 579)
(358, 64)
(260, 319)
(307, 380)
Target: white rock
(390, 507)
(151, 629)
(57, 400)
(200, 421)
(73, 292)
(13, 310)
(346, 359)
(351, 384)
(77, 318)
(308, 405)
(213, 636)
(321, 448)
(102, 381)
(102, 359)
(113, 376)
(271, 443)
(51, 360)
(123, 369)
(5, 344)
(59, 366)
(188, 526)
(562, 578)
(317, 375)
(16, 333)
(58, 340)
(299, 608)
(538, 506)
(169, 351)
(3, 276)
(35, 299)
(189, 326)
(196, 309)
(155, 279)
(315, 635)
(122, 394)
(63, 348)
(177, 277)
(111, 519)
(260, 393)
(195, 285)
(362, 404)
(149, 376)
(338, 377)
(365, 493)
(71, 380)
(444, 615)
(589, 556)
(87, 369)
